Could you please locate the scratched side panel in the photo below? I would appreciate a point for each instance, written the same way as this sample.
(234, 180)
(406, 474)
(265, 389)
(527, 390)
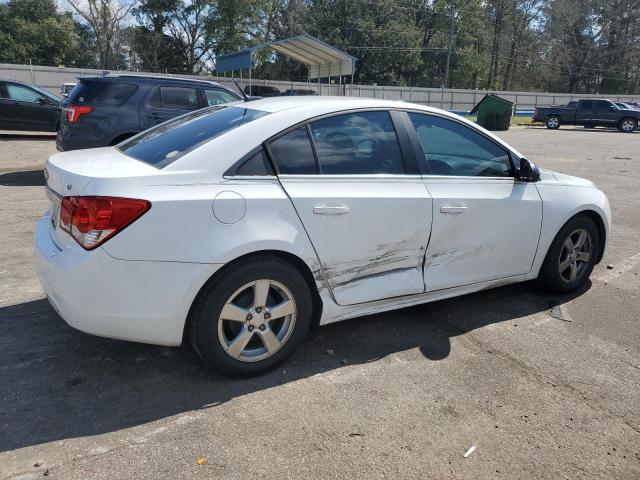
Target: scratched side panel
(375, 248)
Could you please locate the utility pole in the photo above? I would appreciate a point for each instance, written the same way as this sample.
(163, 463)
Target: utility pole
(446, 71)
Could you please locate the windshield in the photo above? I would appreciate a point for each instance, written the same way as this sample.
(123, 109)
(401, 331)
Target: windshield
(164, 144)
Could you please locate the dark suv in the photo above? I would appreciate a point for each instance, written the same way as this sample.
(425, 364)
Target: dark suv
(103, 111)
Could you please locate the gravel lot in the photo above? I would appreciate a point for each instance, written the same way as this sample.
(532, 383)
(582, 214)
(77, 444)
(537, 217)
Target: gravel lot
(404, 394)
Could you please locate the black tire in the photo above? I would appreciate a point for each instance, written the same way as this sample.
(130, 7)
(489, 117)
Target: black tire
(550, 276)
(552, 122)
(628, 125)
(205, 315)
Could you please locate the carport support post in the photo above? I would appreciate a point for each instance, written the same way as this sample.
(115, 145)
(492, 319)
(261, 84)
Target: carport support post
(250, 65)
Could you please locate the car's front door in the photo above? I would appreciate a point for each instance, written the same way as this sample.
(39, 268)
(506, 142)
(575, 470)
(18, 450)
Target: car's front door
(486, 224)
(216, 96)
(605, 113)
(166, 102)
(7, 111)
(29, 109)
(362, 203)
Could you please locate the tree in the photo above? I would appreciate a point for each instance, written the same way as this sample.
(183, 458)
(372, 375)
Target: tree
(105, 18)
(33, 30)
(156, 49)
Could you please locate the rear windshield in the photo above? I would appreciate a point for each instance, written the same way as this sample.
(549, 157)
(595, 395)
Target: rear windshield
(101, 93)
(167, 142)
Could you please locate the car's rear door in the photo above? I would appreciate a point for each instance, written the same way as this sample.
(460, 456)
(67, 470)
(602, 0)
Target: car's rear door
(355, 185)
(584, 112)
(167, 101)
(486, 224)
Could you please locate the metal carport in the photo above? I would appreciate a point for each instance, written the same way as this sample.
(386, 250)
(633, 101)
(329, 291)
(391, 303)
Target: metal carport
(322, 60)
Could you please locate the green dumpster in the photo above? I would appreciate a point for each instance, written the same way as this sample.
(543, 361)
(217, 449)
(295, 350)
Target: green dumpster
(493, 112)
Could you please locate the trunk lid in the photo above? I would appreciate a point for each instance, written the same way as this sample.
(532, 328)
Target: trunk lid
(72, 173)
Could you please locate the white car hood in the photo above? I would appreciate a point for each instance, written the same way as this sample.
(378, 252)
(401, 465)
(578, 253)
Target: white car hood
(556, 178)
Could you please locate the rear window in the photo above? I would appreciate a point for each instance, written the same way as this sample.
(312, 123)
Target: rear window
(167, 142)
(101, 93)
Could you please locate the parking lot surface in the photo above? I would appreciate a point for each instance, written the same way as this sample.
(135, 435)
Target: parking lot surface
(544, 386)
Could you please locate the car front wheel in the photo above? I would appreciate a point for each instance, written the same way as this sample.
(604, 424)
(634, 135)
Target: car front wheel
(251, 318)
(627, 125)
(571, 257)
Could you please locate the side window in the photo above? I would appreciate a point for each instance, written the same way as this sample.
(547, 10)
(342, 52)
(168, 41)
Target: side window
(23, 94)
(586, 106)
(216, 97)
(454, 149)
(175, 98)
(357, 143)
(293, 153)
(255, 165)
(602, 107)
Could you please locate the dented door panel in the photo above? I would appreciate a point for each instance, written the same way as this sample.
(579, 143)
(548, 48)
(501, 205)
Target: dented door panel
(370, 232)
(483, 229)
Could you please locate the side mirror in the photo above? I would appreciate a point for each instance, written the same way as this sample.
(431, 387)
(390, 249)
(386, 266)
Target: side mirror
(44, 101)
(612, 108)
(528, 172)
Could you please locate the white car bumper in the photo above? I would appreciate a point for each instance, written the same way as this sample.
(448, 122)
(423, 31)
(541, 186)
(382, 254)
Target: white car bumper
(140, 301)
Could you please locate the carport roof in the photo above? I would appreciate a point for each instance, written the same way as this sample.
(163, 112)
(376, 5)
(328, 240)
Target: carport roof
(322, 59)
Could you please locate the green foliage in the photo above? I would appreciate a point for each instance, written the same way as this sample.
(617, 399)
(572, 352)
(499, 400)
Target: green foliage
(590, 46)
(33, 29)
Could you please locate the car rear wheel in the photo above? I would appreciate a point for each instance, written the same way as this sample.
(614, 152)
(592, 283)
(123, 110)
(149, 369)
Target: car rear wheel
(627, 125)
(251, 318)
(571, 257)
(552, 122)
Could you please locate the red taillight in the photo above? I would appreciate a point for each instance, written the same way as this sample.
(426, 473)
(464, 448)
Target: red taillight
(91, 221)
(74, 112)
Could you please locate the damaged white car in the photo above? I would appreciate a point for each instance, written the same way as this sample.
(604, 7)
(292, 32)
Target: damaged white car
(235, 227)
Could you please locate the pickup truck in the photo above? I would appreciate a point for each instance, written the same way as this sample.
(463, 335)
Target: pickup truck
(590, 113)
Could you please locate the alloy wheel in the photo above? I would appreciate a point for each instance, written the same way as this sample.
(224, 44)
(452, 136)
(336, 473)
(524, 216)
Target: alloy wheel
(628, 125)
(575, 255)
(256, 320)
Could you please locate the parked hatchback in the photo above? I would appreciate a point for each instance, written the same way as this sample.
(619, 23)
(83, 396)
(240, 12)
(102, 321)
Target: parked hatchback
(103, 111)
(238, 226)
(27, 107)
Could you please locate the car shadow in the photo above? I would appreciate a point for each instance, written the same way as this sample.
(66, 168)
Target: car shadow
(24, 178)
(59, 383)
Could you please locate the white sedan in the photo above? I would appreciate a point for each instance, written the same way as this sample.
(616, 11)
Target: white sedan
(236, 227)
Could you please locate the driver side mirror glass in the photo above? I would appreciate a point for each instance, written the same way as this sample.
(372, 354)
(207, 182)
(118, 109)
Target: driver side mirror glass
(528, 171)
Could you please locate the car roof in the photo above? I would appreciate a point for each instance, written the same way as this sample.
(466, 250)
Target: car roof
(16, 81)
(149, 78)
(326, 104)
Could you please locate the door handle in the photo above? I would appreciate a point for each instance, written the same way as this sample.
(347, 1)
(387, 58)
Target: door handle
(333, 210)
(453, 209)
